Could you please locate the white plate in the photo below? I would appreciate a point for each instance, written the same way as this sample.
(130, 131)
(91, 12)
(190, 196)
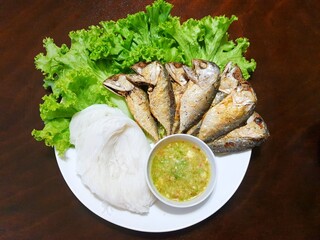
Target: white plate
(230, 172)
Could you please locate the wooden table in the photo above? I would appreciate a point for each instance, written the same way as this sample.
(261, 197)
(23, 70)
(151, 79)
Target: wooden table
(279, 197)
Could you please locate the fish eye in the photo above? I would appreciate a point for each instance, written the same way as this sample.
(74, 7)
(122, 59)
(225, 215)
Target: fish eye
(258, 120)
(203, 65)
(177, 64)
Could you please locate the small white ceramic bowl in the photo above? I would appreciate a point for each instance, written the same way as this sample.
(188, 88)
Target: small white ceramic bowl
(211, 158)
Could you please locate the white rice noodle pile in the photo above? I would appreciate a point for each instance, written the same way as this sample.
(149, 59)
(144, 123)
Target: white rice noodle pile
(112, 153)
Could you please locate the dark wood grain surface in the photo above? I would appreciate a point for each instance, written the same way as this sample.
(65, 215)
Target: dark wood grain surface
(279, 197)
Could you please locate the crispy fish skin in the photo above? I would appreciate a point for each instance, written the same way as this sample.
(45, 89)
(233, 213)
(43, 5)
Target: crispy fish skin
(161, 96)
(254, 133)
(138, 104)
(162, 102)
(199, 94)
(229, 114)
(137, 101)
(178, 91)
(179, 85)
(194, 130)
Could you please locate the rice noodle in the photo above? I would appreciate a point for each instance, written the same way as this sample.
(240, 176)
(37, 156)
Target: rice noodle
(112, 153)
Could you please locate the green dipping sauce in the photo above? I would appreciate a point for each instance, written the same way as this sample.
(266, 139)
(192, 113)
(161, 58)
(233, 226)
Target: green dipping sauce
(180, 170)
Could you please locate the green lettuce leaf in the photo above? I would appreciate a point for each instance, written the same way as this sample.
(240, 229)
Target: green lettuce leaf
(55, 133)
(74, 75)
(207, 39)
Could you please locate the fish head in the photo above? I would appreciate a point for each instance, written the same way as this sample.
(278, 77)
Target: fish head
(257, 128)
(150, 71)
(177, 72)
(191, 74)
(119, 84)
(244, 94)
(139, 80)
(138, 67)
(230, 78)
(206, 70)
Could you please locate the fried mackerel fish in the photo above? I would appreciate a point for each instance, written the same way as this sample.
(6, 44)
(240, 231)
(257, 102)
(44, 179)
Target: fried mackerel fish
(255, 130)
(201, 90)
(228, 114)
(252, 134)
(217, 107)
(137, 101)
